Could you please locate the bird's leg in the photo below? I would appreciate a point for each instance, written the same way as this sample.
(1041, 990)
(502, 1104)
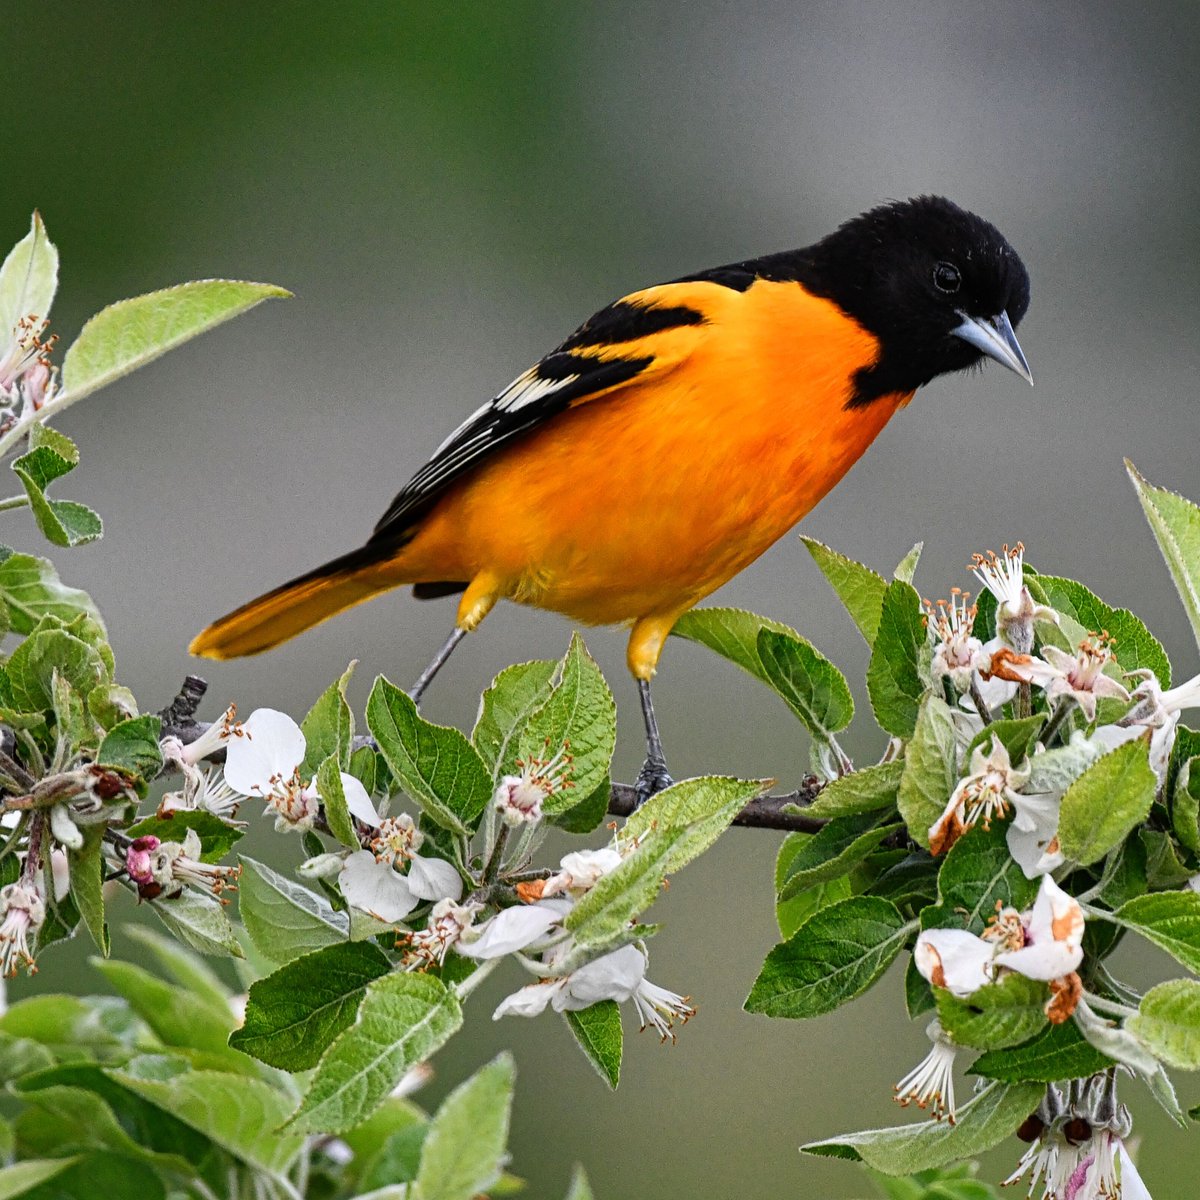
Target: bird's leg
(439, 660)
(653, 777)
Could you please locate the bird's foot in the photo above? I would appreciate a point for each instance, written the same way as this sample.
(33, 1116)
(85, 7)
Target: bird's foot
(652, 779)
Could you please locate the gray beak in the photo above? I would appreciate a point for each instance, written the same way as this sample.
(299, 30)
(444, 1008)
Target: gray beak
(995, 338)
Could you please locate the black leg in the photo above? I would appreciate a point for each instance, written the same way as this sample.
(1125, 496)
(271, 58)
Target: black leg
(439, 660)
(653, 776)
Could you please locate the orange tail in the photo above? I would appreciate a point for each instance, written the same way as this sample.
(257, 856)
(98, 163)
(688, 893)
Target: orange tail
(294, 607)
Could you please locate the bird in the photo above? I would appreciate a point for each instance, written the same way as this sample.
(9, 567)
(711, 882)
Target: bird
(673, 437)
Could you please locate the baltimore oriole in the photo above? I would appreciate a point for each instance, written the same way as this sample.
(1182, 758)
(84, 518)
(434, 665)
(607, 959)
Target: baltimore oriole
(674, 436)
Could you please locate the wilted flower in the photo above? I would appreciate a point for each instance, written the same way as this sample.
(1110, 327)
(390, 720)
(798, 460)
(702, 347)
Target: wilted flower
(163, 868)
(24, 911)
(27, 378)
(1003, 575)
(580, 871)
(519, 798)
(957, 653)
(1079, 677)
(931, 1083)
(985, 794)
(429, 946)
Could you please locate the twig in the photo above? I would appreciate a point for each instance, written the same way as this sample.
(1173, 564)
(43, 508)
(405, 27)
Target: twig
(766, 812)
(33, 856)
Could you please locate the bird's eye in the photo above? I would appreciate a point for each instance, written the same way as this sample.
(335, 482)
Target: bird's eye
(946, 277)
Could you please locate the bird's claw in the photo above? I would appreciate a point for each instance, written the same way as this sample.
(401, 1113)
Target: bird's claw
(651, 779)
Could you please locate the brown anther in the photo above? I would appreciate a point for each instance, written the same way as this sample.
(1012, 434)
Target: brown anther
(531, 890)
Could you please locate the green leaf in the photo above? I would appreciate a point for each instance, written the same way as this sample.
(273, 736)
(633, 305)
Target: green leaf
(51, 456)
(834, 956)
(1017, 736)
(1171, 920)
(241, 1115)
(401, 1021)
(464, 1151)
(597, 1029)
(1167, 1023)
(216, 837)
(31, 589)
(436, 765)
(284, 919)
(1164, 868)
(1058, 1052)
(909, 883)
(329, 728)
(47, 650)
(859, 588)
(28, 278)
(295, 1013)
(865, 790)
(930, 772)
(87, 876)
(24, 1176)
(333, 797)
(835, 850)
(907, 566)
(895, 679)
(811, 686)
(1005, 1013)
(504, 710)
(1135, 647)
(177, 1017)
(131, 333)
(988, 1119)
(588, 813)
(580, 715)
(1106, 802)
(72, 1026)
(1185, 805)
(580, 1189)
(1175, 523)
(791, 914)
(184, 967)
(198, 920)
(976, 873)
(670, 829)
(133, 746)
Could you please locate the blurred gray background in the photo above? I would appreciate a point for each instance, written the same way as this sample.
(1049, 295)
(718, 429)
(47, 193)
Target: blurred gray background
(449, 190)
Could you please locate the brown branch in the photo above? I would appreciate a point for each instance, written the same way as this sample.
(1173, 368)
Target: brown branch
(766, 812)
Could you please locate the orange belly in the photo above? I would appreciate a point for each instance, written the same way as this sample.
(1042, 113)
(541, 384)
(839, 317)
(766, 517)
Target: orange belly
(645, 500)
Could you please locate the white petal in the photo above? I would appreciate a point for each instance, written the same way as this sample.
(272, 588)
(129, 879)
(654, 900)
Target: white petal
(434, 879)
(1055, 934)
(510, 930)
(358, 802)
(65, 831)
(191, 845)
(954, 959)
(375, 888)
(529, 1001)
(615, 976)
(271, 746)
(1132, 1187)
(1030, 850)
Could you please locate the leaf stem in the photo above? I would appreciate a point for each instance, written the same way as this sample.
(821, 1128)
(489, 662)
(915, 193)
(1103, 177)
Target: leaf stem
(14, 502)
(1056, 719)
(465, 987)
(1112, 1006)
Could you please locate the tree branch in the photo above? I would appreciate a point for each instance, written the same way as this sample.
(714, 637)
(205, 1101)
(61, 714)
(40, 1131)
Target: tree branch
(766, 812)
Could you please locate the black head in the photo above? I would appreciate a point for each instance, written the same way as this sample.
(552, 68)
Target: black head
(939, 286)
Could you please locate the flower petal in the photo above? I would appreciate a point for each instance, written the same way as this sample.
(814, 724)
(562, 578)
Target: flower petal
(510, 930)
(434, 879)
(954, 959)
(271, 746)
(1055, 936)
(530, 1000)
(615, 976)
(1132, 1187)
(375, 888)
(358, 802)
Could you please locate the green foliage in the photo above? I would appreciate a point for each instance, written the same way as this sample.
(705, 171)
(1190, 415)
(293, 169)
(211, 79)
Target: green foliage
(1005, 1013)
(1106, 802)
(597, 1031)
(898, 674)
(859, 588)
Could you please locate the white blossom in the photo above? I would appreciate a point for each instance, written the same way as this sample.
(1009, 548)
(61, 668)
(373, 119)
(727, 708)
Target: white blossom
(931, 1083)
(581, 870)
(24, 911)
(519, 798)
(1003, 575)
(985, 794)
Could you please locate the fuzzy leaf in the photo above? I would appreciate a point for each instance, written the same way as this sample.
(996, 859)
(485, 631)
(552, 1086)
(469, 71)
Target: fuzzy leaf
(834, 956)
(132, 746)
(199, 921)
(1175, 523)
(504, 710)
(23, 1177)
(329, 727)
(30, 589)
(216, 837)
(835, 850)
(293, 1014)
(1058, 1052)
(464, 1151)
(865, 790)
(1005, 1013)
(597, 1029)
(1106, 802)
(929, 774)
(284, 919)
(402, 1019)
(895, 680)
(87, 878)
(435, 764)
(333, 798)
(859, 588)
(976, 873)
(988, 1119)
(28, 278)
(1171, 920)
(1168, 1023)
(580, 716)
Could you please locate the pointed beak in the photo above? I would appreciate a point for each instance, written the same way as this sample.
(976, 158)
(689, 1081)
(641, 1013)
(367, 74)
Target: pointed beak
(995, 337)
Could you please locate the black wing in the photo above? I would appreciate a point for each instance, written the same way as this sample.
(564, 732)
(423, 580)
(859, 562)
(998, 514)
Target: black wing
(610, 349)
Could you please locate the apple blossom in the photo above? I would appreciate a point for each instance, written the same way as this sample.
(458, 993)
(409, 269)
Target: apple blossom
(519, 798)
(986, 793)
(931, 1083)
(1003, 575)
(24, 912)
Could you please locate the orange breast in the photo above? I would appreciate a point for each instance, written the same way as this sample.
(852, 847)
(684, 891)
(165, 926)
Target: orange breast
(646, 499)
